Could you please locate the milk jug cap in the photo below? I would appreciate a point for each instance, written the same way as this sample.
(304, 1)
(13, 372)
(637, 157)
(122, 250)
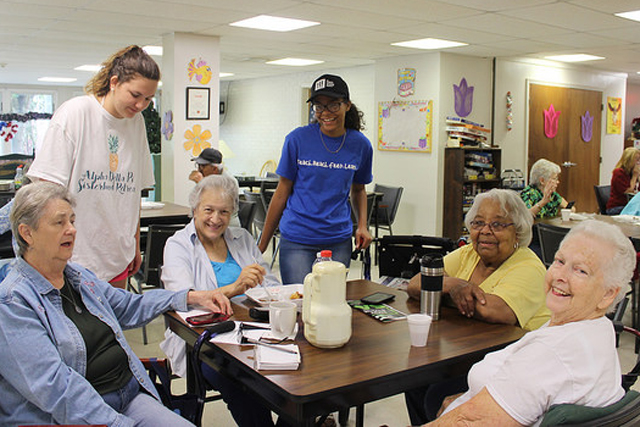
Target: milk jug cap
(326, 253)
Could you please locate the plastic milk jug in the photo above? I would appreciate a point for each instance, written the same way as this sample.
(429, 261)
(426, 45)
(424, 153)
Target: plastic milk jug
(325, 312)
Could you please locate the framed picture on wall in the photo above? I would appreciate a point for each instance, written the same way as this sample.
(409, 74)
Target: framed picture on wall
(198, 105)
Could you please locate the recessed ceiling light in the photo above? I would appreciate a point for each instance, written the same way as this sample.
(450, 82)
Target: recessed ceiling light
(578, 57)
(273, 23)
(429, 43)
(634, 15)
(294, 62)
(225, 74)
(57, 79)
(92, 68)
(153, 50)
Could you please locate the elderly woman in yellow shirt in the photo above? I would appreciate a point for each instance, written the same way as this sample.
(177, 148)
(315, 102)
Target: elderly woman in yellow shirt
(497, 279)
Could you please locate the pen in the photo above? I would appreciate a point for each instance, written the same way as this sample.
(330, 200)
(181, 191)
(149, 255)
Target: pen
(274, 346)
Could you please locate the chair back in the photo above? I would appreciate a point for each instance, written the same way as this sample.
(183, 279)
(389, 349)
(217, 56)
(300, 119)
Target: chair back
(156, 239)
(370, 199)
(273, 175)
(602, 197)
(246, 212)
(267, 190)
(388, 205)
(260, 213)
(550, 237)
(625, 412)
(399, 256)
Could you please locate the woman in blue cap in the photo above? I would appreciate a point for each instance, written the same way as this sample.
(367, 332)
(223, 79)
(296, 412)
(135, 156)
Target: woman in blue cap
(321, 165)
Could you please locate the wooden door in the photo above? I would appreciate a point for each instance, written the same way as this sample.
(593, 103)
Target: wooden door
(579, 159)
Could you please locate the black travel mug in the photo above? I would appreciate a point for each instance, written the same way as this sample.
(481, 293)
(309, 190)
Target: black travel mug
(432, 271)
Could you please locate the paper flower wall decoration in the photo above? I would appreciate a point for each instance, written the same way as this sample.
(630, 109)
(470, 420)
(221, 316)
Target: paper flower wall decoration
(167, 125)
(509, 111)
(551, 121)
(463, 98)
(201, 71)
(197, 140)
(587, 126)
(8, 130)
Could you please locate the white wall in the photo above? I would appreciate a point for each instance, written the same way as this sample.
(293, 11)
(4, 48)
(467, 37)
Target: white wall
(515, 74)
(421, 174)
(261, 112)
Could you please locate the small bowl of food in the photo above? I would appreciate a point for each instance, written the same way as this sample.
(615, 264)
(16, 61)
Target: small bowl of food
(294, 293)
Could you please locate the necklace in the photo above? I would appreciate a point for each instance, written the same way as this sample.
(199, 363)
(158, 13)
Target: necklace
(341, 144)
(72, 300)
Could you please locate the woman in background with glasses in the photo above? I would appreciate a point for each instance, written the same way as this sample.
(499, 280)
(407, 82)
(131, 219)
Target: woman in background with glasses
(321, 164)
(497, 279)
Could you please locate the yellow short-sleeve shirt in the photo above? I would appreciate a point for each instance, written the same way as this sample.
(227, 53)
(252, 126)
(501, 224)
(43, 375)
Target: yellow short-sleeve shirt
(519, 281)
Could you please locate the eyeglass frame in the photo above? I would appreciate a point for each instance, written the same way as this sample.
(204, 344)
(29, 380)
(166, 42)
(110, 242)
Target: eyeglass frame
(325, 107)
(494, 226)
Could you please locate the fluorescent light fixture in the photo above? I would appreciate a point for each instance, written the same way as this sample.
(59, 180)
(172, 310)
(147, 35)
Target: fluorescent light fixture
(578, 57)
(429, 43)
(273, 23)
(634, 15)
(92, 68)
(57, 79)
(153, 50)
(294, 62)
(225, 74)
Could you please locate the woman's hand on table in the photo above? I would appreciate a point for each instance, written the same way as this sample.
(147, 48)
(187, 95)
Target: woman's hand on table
(464, 295)
(213, 300)
(250, 277)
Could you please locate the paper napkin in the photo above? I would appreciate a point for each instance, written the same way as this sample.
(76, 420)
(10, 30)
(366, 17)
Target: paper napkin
(274, 358)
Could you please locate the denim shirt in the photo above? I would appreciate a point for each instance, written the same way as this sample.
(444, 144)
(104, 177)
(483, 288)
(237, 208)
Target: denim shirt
(43, 358)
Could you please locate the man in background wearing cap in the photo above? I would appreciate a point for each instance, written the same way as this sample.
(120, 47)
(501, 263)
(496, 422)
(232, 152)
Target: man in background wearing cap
(209, 162)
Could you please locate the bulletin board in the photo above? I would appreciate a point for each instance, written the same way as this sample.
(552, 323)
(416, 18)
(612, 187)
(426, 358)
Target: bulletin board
(405, 126)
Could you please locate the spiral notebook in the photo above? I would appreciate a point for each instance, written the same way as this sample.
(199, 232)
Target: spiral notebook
(381, 312)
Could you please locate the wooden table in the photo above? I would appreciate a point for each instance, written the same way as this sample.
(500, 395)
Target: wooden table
(170, 213)
(630, 230)
(376, 363)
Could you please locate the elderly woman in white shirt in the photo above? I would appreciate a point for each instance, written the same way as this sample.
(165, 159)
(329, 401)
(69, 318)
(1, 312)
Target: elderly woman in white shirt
(208, 254)
(572, 358)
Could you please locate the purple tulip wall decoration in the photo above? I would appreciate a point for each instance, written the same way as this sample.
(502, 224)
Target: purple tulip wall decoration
(587, 126)
(463, 98)
(551, 121)
(167, 126)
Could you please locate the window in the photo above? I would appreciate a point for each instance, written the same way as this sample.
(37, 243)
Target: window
(30, 133)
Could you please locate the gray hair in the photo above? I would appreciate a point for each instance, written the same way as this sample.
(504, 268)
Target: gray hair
(225, 184)
(618, 270)
(512, 206)
(29, 206)
(543, 168)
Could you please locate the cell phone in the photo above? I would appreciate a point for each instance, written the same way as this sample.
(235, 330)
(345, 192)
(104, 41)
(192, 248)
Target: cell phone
(206, 319)
(377, 298)
(570, 204)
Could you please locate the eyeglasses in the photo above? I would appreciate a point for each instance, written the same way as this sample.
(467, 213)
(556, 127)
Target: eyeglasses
(493, 226)
(334, 107)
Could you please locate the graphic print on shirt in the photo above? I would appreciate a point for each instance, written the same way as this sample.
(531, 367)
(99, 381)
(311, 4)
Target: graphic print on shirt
(122, 182)
(114, 143)
(327, 165)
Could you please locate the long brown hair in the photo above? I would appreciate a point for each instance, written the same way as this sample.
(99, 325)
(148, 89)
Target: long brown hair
(125, 64)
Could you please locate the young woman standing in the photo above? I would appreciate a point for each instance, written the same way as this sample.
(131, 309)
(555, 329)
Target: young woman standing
(322, 164)
(96, 146)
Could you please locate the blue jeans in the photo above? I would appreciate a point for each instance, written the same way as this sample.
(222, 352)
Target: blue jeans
(296, 259)
(615, 211)
(145, 410)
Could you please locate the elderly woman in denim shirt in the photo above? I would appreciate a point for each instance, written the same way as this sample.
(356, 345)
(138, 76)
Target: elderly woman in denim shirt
(64, 357)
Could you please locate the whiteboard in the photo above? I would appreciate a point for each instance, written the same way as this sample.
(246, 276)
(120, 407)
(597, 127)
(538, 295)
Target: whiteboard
(405, 126)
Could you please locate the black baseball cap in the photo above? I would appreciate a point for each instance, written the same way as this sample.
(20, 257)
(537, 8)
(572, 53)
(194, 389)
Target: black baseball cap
(331, 86)
(208, 155)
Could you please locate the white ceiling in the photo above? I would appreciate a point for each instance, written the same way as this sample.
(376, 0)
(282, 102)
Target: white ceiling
(51, 37)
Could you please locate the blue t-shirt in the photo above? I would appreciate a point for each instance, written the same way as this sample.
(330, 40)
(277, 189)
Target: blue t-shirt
(318, 210)
(226, 272)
